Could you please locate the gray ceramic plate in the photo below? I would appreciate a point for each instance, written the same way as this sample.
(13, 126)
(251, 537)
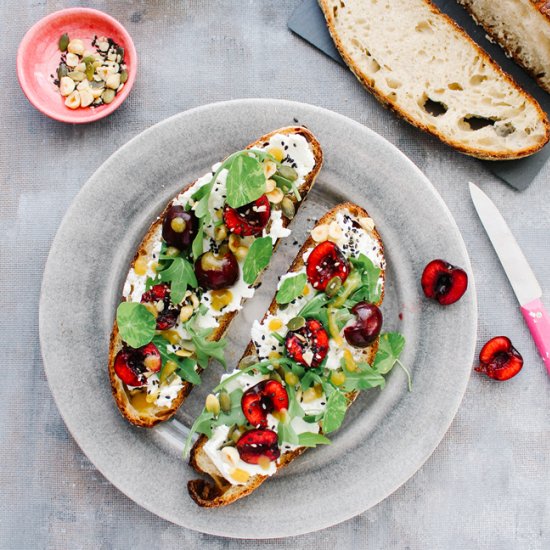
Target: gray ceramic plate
(387, 436)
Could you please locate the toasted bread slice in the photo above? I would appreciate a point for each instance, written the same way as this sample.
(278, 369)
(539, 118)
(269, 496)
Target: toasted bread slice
(151, 414)
(219, 491)
(419, 63)
(522, 28)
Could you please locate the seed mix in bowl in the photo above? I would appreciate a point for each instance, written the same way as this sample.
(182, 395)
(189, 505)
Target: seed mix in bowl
(90, 78)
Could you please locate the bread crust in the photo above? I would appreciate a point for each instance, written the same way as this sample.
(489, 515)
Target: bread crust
(219, 492)
(541, 6)
(154, 415)
(387, 102)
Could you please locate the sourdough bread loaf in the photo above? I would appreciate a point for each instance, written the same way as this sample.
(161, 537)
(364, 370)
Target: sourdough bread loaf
(420, 64)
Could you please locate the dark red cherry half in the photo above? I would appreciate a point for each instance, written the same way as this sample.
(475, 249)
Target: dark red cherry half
(179, 227)
(249, 219)
(168, 317)
(132, 364)
(262, 399)
(499, 359)
(308, 345)
(217, 271)
(254, 444)
(444, 282)
(325, 262)
(367, 326)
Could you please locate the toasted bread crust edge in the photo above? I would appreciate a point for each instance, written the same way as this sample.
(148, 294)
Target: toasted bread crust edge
(162, 414)
(543, 8)
(392, 106)
(218, 493)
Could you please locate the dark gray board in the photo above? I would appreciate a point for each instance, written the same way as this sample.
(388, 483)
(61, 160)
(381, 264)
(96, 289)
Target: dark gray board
(308, 22)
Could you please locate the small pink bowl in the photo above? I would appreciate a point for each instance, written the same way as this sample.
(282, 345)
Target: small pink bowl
(38, 58)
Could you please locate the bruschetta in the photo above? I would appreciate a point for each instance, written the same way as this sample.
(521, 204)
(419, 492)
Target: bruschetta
(310, 355)
(198, 262)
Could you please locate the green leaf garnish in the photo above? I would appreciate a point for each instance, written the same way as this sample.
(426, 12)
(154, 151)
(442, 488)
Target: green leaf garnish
(286, 433)
(257, 259)
(235, 417)
(389, 349)
(136, 324)
(335, 412)
(310, 439)
(291, 288)
(363, 378)
(370, 280)
(245, 181)
(186, 365)
(197, 245)
(180, 274)
(202, 425)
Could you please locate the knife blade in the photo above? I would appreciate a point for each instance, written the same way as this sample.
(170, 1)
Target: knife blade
(517, 269)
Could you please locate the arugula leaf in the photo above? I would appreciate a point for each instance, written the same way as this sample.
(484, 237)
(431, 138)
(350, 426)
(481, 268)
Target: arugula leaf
(310, 439)
(197, 245)
(208, 348)
(286, 433)
(291, 288)
(370, 275)
(180, 274)
(235, 417)
(389, 349)
(258, 257)
(335, 412)
(314, 307)
(136, 324)
(294, 407)
(186, 365)
(362, 379)
(202, 425)
(245, 180)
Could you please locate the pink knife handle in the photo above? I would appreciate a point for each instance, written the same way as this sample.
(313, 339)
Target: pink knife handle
(538, 321)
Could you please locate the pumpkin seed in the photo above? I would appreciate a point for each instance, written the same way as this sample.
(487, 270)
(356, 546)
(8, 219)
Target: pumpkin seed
(62, 71)
(64, 42)
(77, 76)
(90, 71)
(88, 59)
(333, 286)
(123, 76)
(108, 95)
(287, 172)
(296, 323)
(287, 206)
(225, 402)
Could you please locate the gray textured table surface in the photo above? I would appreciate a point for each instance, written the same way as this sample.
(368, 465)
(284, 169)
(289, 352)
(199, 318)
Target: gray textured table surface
(488, 483)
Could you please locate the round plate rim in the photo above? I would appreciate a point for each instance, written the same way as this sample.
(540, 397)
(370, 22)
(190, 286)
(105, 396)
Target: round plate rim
(352, 512)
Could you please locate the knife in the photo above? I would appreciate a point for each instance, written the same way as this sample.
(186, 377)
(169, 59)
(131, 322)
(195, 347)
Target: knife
(520, 275)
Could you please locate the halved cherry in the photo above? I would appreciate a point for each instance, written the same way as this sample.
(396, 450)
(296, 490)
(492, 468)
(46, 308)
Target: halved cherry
(217, 271)
(262, 399)
(132, 364)
(179, 227)
(499, 359)
(444, 282)
(254, 444)
(309, 344)
(168, 316)
(367, 326)
(325, 262)
(249, 219)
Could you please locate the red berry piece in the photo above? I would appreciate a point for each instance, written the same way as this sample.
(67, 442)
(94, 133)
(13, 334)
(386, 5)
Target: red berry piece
(367, 326)
(262, 399)
(217, 271)
(325, 262)
(499, 359)
(444, 282)
(179, 227)
(132, 364)
(254, 444)
(308, 345)
(168, 316)
(249, 219)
